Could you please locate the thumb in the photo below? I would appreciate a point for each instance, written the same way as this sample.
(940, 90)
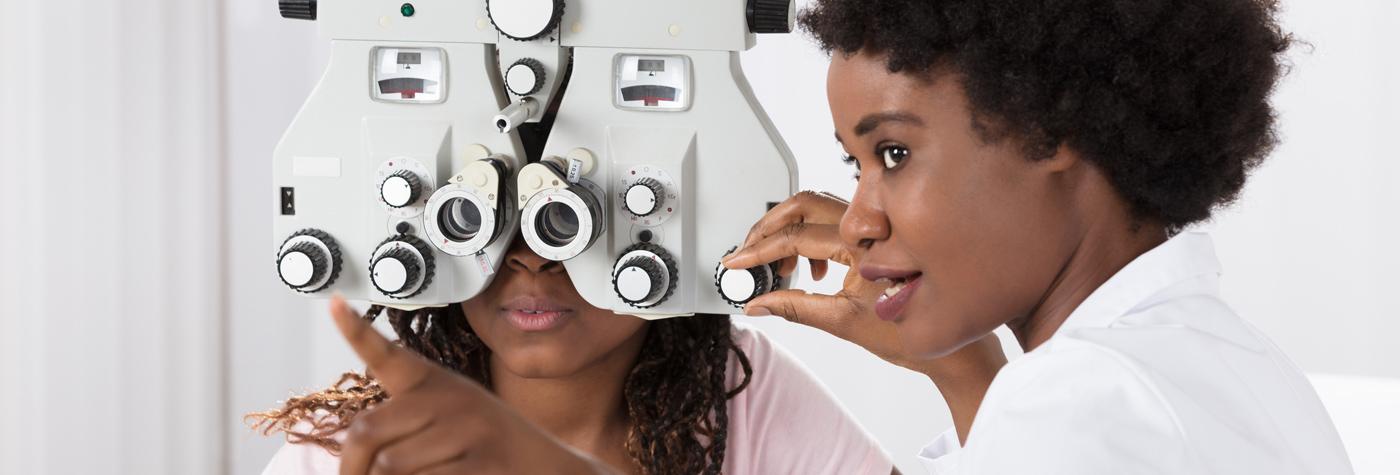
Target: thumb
(823, 312)
(396, 368)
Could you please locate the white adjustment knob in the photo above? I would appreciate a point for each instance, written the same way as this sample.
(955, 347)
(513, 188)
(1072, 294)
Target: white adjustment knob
(644, 197)
(638, 281)
(308, 261)
(739, 286)
(391, 273)
(525, 20)
(525, 77)
(402, 267)
(298, 268)
(400, 189)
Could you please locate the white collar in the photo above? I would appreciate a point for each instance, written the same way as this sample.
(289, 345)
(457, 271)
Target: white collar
(1186, 256)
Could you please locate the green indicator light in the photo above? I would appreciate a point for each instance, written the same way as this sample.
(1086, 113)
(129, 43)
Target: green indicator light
(407, 9)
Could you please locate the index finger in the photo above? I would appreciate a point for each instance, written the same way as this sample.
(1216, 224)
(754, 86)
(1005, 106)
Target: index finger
(804, 207)
(397, 369)
(817, 242)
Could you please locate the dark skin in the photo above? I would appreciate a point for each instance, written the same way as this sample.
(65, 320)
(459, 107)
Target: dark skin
(569, 380)
(439, 422)
(558, 401)
(997, 239)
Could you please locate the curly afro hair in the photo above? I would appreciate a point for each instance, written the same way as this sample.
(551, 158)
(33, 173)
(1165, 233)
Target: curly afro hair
(1170, 98)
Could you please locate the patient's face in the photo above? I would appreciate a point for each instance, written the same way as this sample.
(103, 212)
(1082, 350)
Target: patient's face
(538, 326)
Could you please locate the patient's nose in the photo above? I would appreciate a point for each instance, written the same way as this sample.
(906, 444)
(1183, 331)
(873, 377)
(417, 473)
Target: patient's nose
(521, 257)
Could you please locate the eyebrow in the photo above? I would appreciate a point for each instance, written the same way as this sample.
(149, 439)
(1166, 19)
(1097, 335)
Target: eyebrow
(871, 122)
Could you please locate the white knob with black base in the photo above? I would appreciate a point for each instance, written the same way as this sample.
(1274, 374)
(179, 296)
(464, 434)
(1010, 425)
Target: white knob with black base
(645, 276)
(740, 286)
(402, 267)
(525, 77)
(401, 189)
(308, 261)
(644, 197)
(525, 20)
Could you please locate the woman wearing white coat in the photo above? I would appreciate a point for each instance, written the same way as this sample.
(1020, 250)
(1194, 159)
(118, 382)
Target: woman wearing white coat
(1033, 164)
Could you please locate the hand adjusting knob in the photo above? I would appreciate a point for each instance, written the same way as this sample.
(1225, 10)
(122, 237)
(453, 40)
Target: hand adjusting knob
(400, 189)
(308, 261)
(402, 267)
(739, 286)
(644, 197)
(645, 276)
(297, 9)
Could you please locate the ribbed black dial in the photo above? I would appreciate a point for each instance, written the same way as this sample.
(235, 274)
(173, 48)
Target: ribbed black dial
(297, 9)
(770, 16)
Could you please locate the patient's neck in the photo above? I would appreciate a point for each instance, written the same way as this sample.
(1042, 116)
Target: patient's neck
(585, 410)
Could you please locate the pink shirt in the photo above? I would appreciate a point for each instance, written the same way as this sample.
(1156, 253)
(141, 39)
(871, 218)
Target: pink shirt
(783, 422)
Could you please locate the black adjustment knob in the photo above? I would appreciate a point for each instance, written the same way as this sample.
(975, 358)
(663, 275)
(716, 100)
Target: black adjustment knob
(645, 276)
(770, 16)
(297, 9)
(308, 261)
(398, 271)
(400, 189)
(524, 20)
(525, 77)
(644, 197)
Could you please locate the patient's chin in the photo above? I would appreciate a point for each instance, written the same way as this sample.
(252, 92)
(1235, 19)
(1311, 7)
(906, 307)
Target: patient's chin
(539, 363)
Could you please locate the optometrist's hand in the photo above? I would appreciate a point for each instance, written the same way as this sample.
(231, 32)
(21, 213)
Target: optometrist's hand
(436, 421)
(808, 226)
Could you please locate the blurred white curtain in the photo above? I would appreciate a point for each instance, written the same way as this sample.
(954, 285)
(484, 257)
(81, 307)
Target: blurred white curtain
(112, 282)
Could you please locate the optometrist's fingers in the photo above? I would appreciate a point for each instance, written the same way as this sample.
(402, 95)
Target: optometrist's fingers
(823, 312)
(804, 207)
(819, 268)
(846, 315)
(817, 242)
(435, 445)
(396, 368)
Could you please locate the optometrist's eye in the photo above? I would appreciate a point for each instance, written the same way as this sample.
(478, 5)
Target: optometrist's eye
(851, 160)
(893, 155)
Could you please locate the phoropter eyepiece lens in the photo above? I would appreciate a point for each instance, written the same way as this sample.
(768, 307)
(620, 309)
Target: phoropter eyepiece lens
(460, 220)
(557, 224)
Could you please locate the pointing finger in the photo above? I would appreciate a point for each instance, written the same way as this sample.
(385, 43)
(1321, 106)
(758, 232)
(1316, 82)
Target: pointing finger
(397, 369)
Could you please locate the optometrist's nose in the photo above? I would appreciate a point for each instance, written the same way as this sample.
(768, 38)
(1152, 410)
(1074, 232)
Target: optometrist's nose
(865, 221)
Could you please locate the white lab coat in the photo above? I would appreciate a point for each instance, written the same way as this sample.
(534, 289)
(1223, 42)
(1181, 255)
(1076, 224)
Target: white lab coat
(1153, 373)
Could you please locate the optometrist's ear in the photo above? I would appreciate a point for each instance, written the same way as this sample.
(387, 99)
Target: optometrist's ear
(1064, 159)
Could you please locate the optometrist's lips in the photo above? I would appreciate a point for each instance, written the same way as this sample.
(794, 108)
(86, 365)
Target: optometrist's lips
(900, 287)
(529, 313)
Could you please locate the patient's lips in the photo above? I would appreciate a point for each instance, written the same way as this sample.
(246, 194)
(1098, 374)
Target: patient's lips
(535, 314)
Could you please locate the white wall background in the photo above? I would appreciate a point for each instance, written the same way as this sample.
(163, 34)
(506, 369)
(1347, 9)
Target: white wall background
(113, 281)
(139, 318)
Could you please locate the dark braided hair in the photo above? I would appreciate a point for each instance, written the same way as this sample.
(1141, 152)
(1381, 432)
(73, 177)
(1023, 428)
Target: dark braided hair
(675, 395)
